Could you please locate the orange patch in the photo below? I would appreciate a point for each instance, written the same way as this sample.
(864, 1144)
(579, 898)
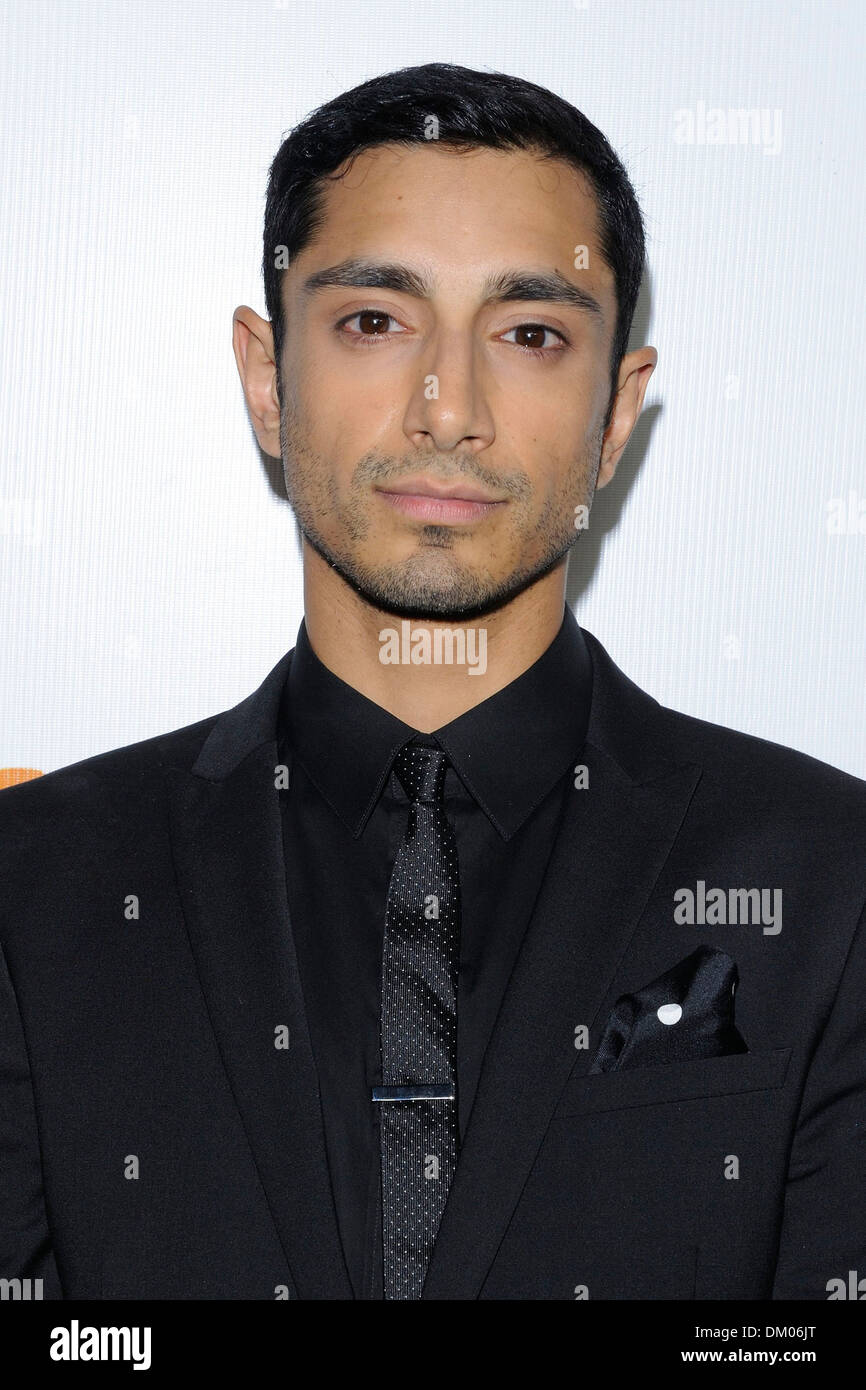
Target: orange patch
(11, 776)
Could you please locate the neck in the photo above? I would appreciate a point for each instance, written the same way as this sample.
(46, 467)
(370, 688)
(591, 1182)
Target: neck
(435, 670)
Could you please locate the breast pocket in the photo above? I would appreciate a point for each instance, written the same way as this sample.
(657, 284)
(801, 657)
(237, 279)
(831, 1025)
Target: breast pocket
(673, 1081)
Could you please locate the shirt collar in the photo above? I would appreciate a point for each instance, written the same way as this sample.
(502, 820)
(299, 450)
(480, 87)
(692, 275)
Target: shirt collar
(508, 751)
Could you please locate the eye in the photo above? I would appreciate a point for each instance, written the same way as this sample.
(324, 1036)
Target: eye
(534, 331)
(367, 318)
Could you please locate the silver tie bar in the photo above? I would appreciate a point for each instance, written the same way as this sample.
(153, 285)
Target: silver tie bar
(445, 1092)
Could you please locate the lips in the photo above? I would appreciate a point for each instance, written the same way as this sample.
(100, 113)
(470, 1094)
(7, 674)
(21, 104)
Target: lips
(445, 503)
(443, 489)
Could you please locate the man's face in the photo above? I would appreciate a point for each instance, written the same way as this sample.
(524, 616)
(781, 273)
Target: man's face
(397, 388)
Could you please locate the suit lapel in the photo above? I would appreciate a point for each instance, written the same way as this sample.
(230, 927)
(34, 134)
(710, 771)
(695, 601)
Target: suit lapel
(227, 841)
(612, 844)
(613, 840)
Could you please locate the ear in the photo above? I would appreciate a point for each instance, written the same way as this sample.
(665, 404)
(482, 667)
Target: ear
(635, 371)
(253, 343)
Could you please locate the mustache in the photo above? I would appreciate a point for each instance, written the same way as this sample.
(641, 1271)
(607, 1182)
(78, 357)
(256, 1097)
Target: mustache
(376, 468)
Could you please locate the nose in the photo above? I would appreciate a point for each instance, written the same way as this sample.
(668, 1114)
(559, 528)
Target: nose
(448, 404)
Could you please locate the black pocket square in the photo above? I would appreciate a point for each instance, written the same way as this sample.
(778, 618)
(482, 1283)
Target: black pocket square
(684, 1015)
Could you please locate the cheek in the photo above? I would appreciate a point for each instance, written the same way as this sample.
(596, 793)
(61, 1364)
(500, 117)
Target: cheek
(566, 481)
(341, 399)
(555, 419)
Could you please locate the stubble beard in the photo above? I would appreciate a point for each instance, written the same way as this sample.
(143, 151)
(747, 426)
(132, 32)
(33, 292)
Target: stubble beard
(431, 583)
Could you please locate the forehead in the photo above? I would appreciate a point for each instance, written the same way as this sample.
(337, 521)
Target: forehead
(463, 209)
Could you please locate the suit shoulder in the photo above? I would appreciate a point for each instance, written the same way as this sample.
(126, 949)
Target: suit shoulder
(745, 761)
(90, 778)
(644, 735)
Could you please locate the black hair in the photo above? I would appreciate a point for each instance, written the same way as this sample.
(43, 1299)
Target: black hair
(471, 108)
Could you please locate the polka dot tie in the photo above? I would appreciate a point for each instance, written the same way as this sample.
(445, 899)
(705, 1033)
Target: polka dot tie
(419, 1136)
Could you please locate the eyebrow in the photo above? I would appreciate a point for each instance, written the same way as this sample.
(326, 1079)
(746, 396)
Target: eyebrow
(504, 287)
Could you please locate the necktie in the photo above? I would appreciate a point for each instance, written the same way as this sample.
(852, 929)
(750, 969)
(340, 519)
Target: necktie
(418, 1113)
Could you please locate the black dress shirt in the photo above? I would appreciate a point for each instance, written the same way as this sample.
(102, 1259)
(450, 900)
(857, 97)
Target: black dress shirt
(511, 762)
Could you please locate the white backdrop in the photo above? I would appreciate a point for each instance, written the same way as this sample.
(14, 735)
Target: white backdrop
(150, 571)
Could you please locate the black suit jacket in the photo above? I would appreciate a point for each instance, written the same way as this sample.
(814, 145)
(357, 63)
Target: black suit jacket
(157, 1143)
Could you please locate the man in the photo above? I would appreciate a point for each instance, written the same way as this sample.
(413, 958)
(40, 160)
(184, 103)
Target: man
(447, 965)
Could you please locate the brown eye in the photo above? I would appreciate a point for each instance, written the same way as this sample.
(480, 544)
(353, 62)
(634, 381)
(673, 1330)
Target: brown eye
(531, 337)
(370, 317)
(372, 323)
